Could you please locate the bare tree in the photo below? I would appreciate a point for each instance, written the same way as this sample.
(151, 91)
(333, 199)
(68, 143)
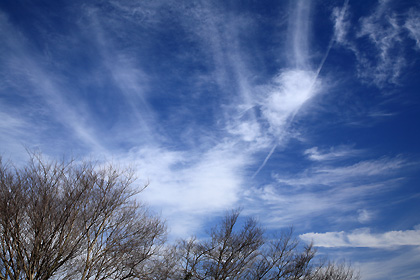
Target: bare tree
(64, 221)
(246, 253)
(74, 221)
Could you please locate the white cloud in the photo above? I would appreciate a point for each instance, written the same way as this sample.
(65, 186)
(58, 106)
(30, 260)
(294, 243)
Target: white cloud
(289, 92)
(248, 131)
(187, 185)
(364, 238)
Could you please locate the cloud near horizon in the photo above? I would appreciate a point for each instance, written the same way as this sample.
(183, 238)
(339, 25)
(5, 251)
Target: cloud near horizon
(364, 238)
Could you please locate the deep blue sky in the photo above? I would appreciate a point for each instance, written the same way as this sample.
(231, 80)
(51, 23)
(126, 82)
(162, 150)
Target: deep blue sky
(302, 113)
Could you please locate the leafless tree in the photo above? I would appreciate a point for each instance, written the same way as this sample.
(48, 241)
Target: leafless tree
(74, 221)
(246, 253)
(64, 221)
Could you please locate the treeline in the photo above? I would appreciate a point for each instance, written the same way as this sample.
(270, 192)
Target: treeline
(68, 220)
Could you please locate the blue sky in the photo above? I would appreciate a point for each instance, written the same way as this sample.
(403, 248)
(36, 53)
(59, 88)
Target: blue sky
(302, 113)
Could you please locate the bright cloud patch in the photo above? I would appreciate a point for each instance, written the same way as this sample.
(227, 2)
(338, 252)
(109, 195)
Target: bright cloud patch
(290, 90)
(207, 183)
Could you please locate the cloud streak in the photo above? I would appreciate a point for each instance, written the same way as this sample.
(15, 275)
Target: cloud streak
(299, 22)
(358, 172)
(333, 153)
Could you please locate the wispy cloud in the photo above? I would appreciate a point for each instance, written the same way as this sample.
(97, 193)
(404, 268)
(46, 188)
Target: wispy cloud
(45, 94)
(331, 188)
(384, 33)
(332, 153)
(298, 33)
(364, 216)
(341, 23)
(122, 71)
(282, 206)
(364, 238)
(413, 26)
(333, 175)
(384, 30)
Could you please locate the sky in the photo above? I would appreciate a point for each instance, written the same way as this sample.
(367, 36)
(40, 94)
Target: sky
(301, 113)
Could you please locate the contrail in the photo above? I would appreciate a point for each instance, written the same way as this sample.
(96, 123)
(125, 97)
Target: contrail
(330, 45)
(265, 161)
(324, 58)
